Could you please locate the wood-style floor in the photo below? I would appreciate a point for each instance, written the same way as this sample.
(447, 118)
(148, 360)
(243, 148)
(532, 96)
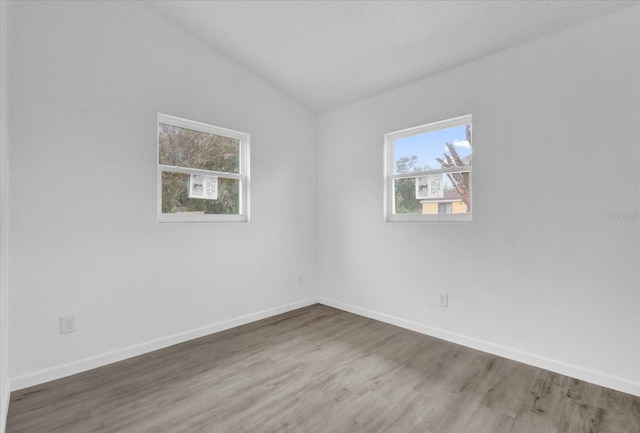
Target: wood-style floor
(318, 369)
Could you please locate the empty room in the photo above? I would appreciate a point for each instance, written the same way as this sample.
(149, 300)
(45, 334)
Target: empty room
(319, 216)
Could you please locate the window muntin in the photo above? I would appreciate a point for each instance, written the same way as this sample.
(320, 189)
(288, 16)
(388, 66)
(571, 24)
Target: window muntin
(202, 172)
(428, 172)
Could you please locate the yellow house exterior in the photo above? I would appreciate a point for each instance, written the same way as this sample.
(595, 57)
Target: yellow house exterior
(430, 207)
(450, 203)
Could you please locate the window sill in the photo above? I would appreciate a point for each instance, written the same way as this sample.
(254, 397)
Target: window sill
(449, 218)
(169, 218)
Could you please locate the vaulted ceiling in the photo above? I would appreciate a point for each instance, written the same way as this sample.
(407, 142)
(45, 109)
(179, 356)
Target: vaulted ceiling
(330, 53)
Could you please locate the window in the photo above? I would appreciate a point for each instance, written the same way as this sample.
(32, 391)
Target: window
(444, 207)
(203, 172)
(428, 172)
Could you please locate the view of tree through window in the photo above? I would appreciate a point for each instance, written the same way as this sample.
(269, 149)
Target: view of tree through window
(175, 196)
(200, 171)
(184, 147)
(405, 188)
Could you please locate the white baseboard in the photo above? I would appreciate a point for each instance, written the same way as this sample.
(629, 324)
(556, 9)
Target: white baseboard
(5, 397)
(567, 369)
(64, 370)
(571, 370)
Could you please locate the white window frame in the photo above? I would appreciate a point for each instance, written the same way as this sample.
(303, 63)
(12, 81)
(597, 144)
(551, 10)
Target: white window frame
(242, 176)
(390, 177)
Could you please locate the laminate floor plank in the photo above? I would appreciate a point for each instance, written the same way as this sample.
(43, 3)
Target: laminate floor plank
(622, 413)
(485, 420)
(317, 370)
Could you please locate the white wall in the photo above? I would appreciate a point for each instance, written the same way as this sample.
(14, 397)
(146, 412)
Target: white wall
(538, 275)
(4, 195)
(87, 79)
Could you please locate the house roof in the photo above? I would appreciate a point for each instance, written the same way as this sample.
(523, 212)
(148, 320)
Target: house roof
(448, 196)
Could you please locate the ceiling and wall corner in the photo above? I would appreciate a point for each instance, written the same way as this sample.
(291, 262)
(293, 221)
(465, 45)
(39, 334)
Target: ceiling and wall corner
(327, 54)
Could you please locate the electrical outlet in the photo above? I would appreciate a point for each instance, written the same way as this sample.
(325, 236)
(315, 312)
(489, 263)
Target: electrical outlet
(443, 299)
(67, 324)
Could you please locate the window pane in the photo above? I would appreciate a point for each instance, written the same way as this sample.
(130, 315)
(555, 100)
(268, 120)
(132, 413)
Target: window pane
(449, 199)
(433, 194)
(405, 196)
(175, 196)
(183, 147)
(450, 147)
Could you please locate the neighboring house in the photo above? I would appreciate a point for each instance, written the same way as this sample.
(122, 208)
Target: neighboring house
(436, 200)
(449, 203)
